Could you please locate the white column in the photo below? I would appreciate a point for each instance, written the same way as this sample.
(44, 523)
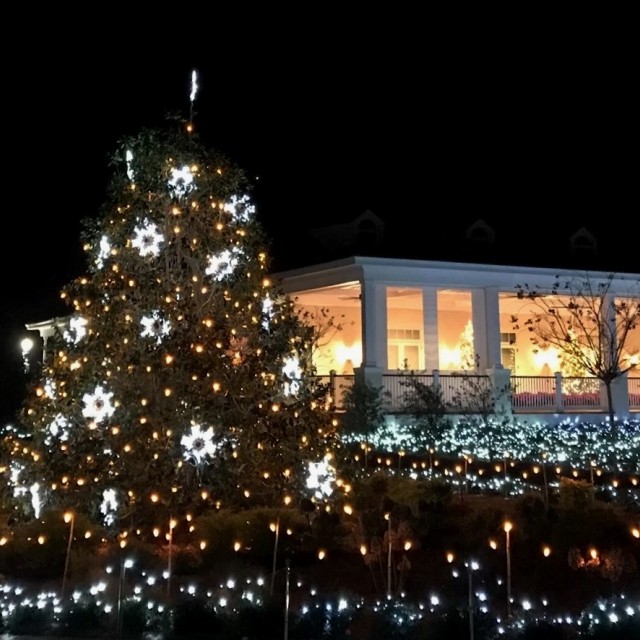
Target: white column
(620, 396)
(485, 305)
(609, 325)
(430, 328)
(374, 329)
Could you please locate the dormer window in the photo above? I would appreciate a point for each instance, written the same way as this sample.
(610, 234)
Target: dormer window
(583, 242)
(480, 233)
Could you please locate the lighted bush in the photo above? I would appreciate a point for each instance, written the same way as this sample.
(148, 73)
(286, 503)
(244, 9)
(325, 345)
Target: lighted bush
(253, 531)
(38, 549)
(84, 619)
(575, 494)
(29, 620)
(197, 618)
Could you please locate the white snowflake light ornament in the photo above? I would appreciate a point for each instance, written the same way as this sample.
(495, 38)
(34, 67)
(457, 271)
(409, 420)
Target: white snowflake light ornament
(198, 444)
(97, 405)
(223, 264)
(76, 331)
(109, 506)
(147, 239)
(293, 372)
(241, 209)
(181, 181)
(267, 312)
(155, 327)
(321, 478)
(59, 428)
(105, 251)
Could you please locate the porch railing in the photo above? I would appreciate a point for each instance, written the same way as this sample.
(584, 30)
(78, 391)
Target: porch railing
(555, 393)
(529, 394)
(634, 393)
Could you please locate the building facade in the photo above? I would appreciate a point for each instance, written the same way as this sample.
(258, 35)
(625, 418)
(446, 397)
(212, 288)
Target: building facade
(441, 319)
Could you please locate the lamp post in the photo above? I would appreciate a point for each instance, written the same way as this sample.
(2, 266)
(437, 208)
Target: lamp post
(507, 529)
(26, 344)
(69, 517)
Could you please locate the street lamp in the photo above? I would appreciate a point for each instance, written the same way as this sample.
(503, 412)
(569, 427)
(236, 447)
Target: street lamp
(507, 529)
(26, 344)
(69, 517)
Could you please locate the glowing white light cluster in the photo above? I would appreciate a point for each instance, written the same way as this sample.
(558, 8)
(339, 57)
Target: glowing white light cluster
(36, 501)
(194, 86)
(241, 209)
(76, 330)
(155, 327)
(59, 428)
(109, 506)
(293, 372)
(104, 253)
(147, 239)
(267, 312)
(98, 405)
(321, 478)
(129, 157)
(198, 444)
(50, 388)
(181, 181)
(223, 264)
(20, 489)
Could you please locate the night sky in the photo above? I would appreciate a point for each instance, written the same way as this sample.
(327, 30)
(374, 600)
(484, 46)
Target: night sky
(383, 114)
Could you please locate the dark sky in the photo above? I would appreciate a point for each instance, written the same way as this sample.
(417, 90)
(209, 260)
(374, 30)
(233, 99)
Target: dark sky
(422, 124)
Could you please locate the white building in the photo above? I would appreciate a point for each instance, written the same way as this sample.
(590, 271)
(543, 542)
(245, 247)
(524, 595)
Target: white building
(441, 318)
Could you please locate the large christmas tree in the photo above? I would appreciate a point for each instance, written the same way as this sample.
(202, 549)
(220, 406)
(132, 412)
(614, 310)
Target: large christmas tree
(181, 378)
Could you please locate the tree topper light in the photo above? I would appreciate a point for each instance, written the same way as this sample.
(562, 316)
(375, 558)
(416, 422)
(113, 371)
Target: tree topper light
(194, 86)
(129, 157)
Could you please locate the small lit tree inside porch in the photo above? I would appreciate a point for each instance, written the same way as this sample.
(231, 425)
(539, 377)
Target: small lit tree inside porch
(180, 380)
(588, 322)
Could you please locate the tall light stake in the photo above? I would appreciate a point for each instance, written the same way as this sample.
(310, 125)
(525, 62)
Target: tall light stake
(172, 524)
(276, 529)
(507, 529)
(472, 566)
(388, 517)
(124, 565)
(286, 601)
(69, 517)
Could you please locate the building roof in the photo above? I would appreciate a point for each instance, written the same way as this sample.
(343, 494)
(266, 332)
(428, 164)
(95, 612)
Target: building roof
(541, 241)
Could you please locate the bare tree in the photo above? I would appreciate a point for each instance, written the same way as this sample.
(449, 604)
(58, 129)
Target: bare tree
(589, 321)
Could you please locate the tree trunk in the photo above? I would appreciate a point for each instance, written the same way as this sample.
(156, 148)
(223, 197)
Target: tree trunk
(612, 413)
